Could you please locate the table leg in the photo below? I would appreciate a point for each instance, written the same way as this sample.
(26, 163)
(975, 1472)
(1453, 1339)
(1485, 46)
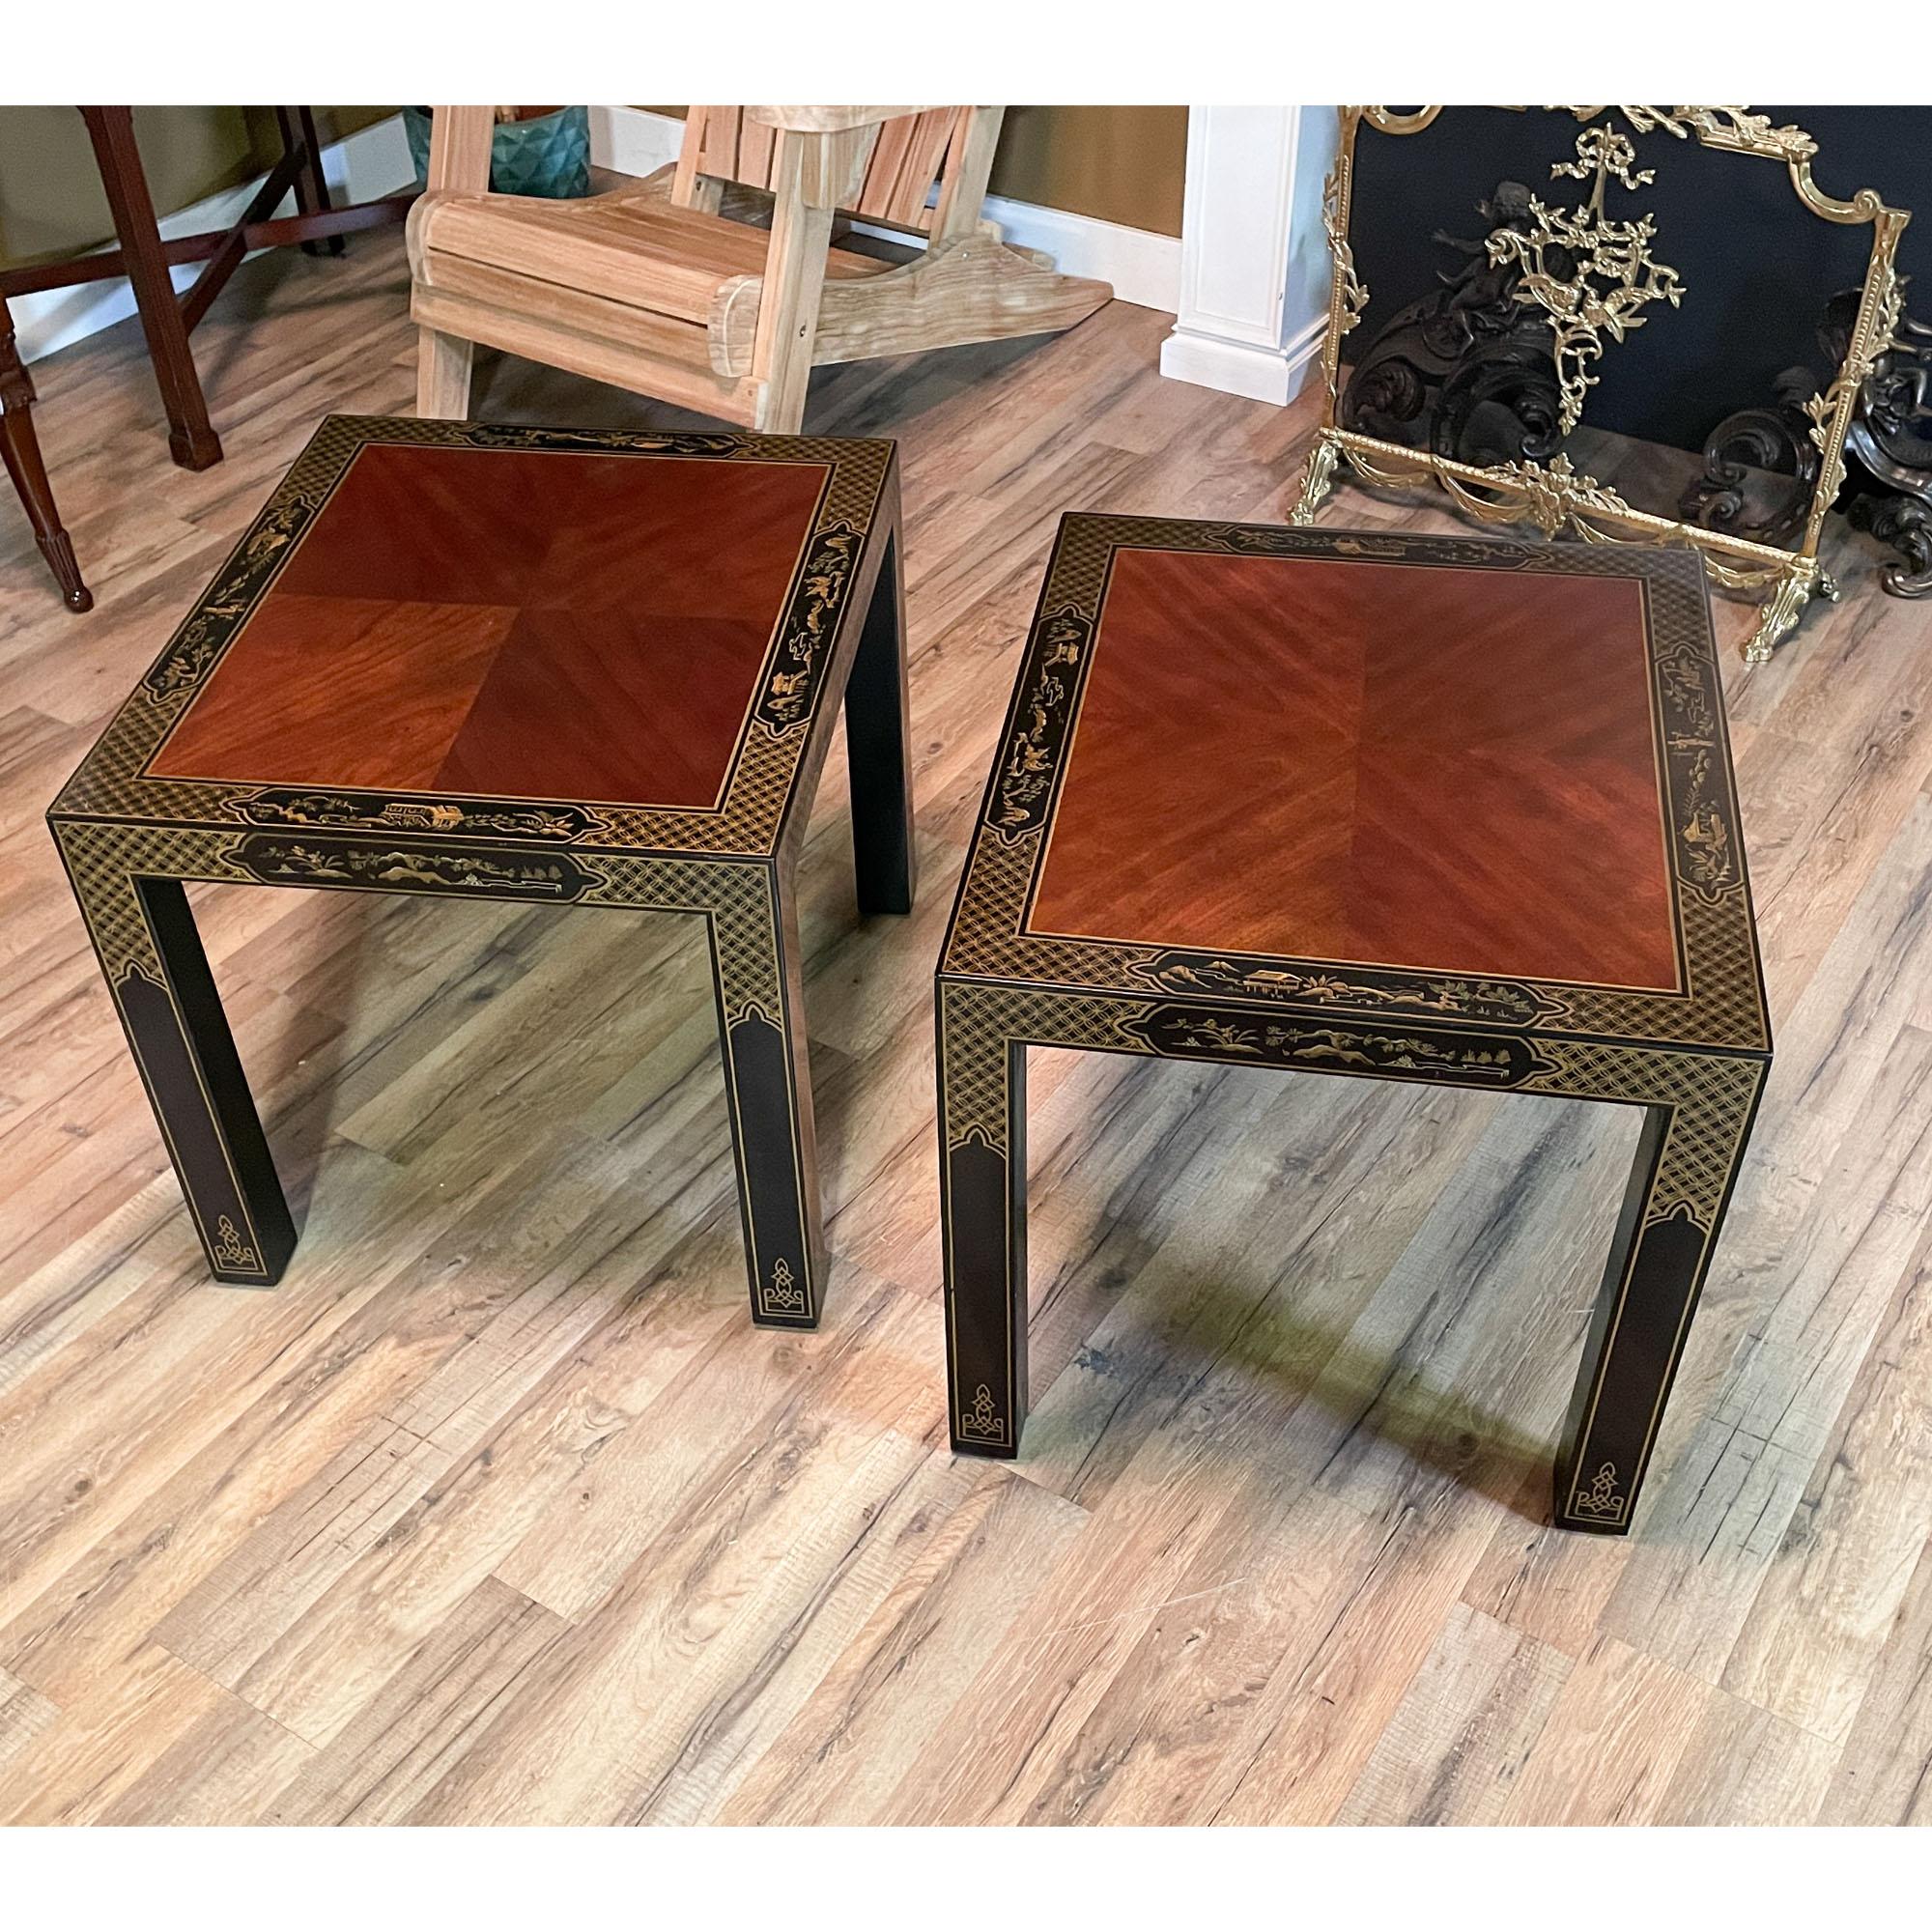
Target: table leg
(21, 448)
(1686, 1167)
(159, 975)
(768, 1082)
(878, 748)
(982, 1221)
(191, 437)
(297, 123)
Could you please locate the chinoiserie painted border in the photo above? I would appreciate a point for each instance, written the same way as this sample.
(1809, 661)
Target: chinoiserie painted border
(111, 783)
(1724, 1006)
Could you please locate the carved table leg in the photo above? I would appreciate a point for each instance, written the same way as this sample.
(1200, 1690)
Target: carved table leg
(1687, 1163)
(158, 973)
(982, 1220)
(878, 748)
(21, 448)
(768, 1080)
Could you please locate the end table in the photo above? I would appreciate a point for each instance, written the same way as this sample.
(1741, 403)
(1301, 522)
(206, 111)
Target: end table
(462, 660)
(1400, 807)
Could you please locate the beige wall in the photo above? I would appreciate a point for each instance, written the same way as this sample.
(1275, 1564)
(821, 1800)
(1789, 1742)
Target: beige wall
(50, 199)
(1124, 164)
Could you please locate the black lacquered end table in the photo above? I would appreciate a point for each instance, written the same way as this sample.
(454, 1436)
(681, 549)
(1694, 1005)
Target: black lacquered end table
(1444, 809)
(470, 662)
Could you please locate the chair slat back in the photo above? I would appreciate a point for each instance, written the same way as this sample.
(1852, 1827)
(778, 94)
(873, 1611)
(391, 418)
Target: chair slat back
(910, 155)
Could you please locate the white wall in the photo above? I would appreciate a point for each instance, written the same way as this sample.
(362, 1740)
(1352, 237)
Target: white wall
(1254, 262)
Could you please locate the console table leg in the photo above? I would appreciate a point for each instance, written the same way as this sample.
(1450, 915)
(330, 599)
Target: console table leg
(159, 975)
(878, 748)
(1681, 1181)
(768, 1080)
(191, 437)
(297, 123)
(983, 1223)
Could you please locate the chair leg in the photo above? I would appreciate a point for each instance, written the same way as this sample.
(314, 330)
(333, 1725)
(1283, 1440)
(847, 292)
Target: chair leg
(442, 375)
(21, 449)
(878, 748)
(191, 437)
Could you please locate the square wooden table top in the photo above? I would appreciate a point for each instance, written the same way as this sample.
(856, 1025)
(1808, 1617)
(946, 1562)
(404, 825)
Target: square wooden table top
(613, 639)
(1369, 772)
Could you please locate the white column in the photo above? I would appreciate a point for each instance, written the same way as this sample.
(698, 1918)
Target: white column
(1253, 260)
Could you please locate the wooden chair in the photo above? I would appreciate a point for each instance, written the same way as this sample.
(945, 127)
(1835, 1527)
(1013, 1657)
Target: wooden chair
(656, 287)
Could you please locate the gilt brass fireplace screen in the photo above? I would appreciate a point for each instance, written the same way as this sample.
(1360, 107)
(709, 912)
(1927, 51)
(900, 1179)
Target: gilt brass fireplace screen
(1583, 280)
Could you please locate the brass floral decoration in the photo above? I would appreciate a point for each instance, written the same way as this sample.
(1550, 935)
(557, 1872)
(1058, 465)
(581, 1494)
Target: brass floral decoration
(1351, 292)
(1595, 276)
(1604, 275)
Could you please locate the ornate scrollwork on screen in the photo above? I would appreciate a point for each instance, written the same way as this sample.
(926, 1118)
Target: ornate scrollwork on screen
(1593, 275)
(1476, 386)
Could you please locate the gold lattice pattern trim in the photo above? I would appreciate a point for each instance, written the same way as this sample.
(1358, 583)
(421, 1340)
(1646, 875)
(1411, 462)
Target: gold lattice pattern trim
(987, 938)
(738, 896)
(106, 860)
(977, 1023)
(1711, 1095)
(1725, 1010)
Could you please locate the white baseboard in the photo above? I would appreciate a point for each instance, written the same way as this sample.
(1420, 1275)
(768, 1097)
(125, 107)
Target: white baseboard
(372, 163)
(1240, 368)
(1144, 268)
(633, 140)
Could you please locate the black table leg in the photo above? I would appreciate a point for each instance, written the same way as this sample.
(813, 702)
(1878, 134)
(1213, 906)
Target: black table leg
(982, 1220)
(159, 975)
(1686, 1167)
(768, 1080)
(878, 748)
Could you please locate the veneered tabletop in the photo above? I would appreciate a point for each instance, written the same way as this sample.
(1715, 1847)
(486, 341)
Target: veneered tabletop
(630, 624)
(1256, 761)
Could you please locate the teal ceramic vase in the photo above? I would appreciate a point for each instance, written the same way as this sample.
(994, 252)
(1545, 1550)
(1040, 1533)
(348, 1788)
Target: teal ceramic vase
(548, 156)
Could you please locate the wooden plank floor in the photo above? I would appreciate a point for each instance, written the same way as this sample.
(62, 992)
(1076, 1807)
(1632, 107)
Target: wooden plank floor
(500, 1509)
